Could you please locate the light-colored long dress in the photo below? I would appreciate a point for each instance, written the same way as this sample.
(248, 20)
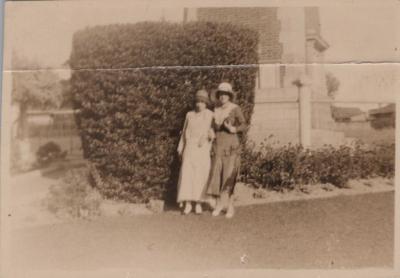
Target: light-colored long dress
(196, 161)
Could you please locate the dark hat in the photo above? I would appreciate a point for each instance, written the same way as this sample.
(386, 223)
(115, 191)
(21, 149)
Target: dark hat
(202, 95)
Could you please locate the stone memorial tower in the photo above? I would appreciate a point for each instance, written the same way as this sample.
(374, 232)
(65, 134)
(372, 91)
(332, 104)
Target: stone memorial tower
(291, 48)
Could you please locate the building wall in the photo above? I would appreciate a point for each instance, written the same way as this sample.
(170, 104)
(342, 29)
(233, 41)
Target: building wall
(277, 119)
(292, 37)
(322, 115)
(265, 21)
(285, 55)
(262, 19)
(279, 32)
(276, 113)
(315, 57)
(363, 131)
(321, 109)
(316, 71)
(312, 20)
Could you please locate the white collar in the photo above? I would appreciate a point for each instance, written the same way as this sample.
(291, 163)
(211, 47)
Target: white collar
(221, 113)
(229, 106)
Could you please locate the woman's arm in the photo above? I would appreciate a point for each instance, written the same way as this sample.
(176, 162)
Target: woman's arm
(240, 120)
(182, 142)
(237, 122)
(215, 126)
(209, 134)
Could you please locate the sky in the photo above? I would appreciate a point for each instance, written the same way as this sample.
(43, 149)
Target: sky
(42, 32)
(362, 50)
(359, 34)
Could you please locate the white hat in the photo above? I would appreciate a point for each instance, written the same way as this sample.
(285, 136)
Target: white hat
(225, 87)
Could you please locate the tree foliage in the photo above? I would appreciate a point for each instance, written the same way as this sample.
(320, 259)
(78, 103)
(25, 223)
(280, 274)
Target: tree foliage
(332, 84)
(33, 87)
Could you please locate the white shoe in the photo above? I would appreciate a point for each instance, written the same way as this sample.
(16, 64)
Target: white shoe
(230, 212)
(217, 210)
(188, 209)
(198, 209)
(212, 203)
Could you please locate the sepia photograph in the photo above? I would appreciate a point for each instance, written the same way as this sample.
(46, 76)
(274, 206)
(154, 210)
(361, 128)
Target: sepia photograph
(200, 139)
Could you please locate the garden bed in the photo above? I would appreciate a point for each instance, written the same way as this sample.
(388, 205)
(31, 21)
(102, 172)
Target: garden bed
(30, 198)
(290, 167)
(68, 190)
(248, 195)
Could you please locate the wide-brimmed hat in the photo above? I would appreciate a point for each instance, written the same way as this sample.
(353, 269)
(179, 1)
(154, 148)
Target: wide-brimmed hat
(202, 95)
(225, 88)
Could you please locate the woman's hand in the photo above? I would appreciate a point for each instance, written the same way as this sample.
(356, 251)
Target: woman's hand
(180, 150)
(211, 134)
(230, 127)
(202, 141)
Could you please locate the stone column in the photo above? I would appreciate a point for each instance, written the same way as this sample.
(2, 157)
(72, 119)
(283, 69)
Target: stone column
(303, 85)
(189, 14)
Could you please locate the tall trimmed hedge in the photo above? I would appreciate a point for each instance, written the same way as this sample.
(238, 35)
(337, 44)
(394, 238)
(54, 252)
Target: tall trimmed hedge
(134, 83)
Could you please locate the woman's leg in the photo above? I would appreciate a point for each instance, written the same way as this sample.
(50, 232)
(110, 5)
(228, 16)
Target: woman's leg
(221, 203)
(198, 208)
(211, 201)
(188, 207)
(218, 206)
(214, 184)
(231, 211)
(231, 171)
(217, 209)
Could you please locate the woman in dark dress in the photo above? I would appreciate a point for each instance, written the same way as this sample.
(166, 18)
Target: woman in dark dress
(228, 122)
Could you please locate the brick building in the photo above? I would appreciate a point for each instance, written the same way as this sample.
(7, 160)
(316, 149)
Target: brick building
(291, 47)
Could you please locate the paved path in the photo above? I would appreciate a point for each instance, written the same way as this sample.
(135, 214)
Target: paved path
(340, 232)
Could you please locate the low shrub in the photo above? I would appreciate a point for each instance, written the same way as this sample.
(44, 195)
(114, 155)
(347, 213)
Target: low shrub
(284, 167)
(48, 153)
(382, 123)
(385, 160)
(73, 197)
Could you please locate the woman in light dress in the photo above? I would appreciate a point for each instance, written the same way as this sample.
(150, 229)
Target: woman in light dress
(194, 149)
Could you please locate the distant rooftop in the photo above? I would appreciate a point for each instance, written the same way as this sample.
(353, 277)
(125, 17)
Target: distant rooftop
(388, 109)
(341, 113)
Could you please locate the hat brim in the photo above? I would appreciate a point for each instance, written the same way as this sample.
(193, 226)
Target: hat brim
(230, 94)
(202, 99)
